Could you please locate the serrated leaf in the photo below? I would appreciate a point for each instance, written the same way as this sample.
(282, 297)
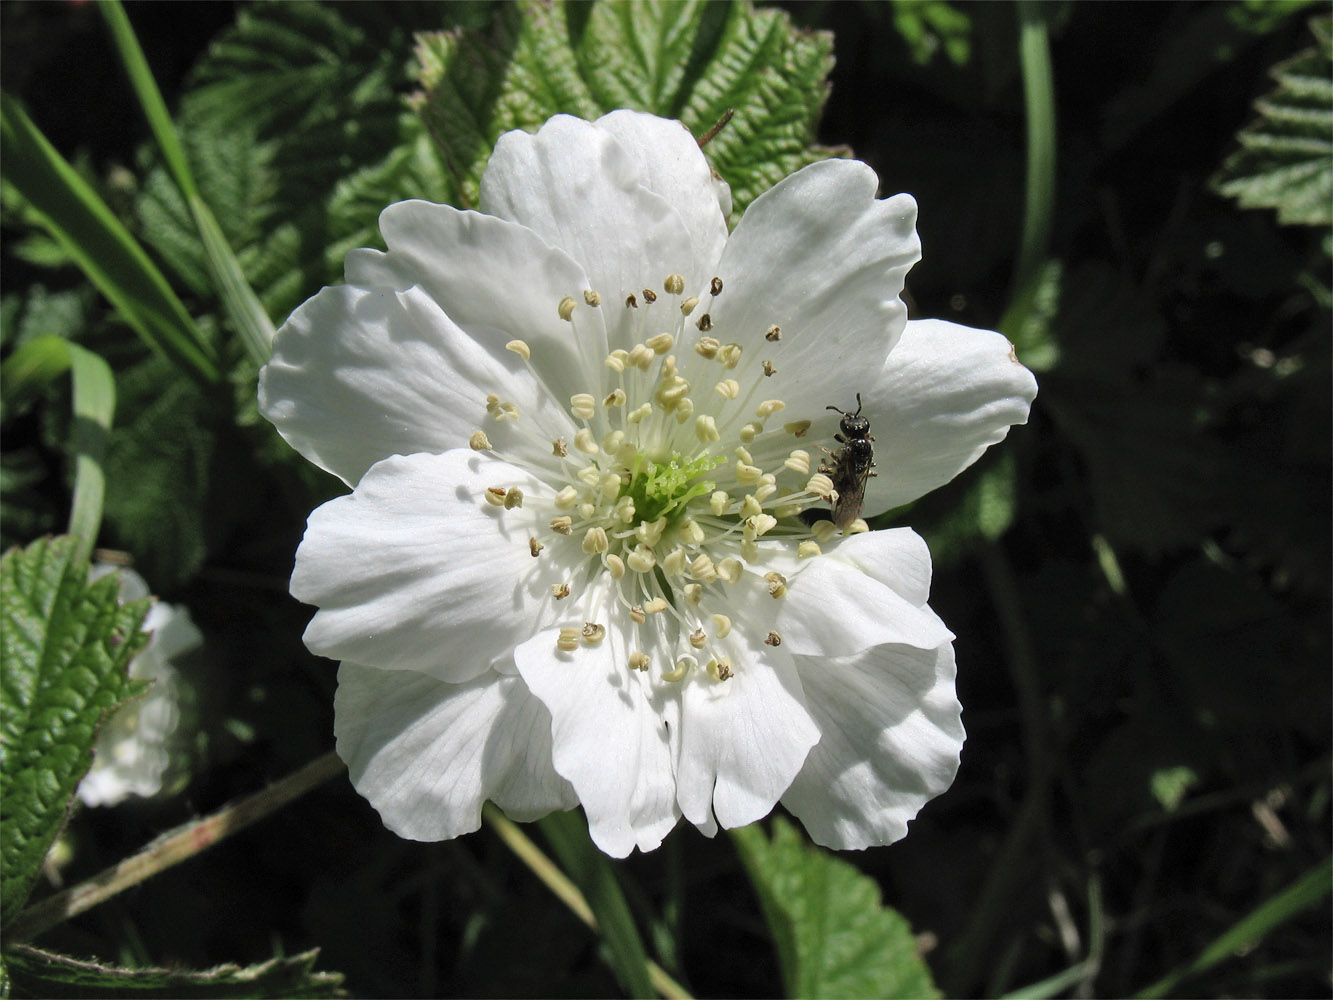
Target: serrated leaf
(65, 650)
(1286, 156)
(36, 972)
(691, 61)
(834, 936)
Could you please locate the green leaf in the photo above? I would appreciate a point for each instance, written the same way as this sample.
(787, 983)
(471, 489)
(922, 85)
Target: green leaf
(692, 61)
(595, 876)
(833, 935)
(88, 230)
(1286, 156)
(36, 972)
(65, 649)
(930, 25)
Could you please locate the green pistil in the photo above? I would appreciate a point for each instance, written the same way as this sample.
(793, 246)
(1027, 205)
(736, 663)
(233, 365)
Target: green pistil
(664, 489)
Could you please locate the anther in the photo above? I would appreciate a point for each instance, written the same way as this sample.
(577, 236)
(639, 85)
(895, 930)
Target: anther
(595, 541)
(568, 640)
(820, 485)
(857, 527)
(639, 414)
(769, 407)
(584, 442)
(566, 307)
(730, 569)
(514, 498)
(631, 302)
(763, 523)
(719, 502)
(799, 462)
(728, 388)
(707, 347)
(730, 355)
(479, 441)
(702, 568)
(777, 585)
(747, 474)
(520, 348)
(616, 398)
(809, 548)
(698, 639)
(564, 500)
(797, 428)
(688, 305)
(683, 666)
(751, 431)
(824, 531)
(721, 625)
(641, 560)
(495, 495)
(562, 525)
(694, 594)
(594, 633)
(705, 429)
(705, 323)
(559, 591)
(534, 546)
(614, 565)
(637, 614)
(769, 370)
(690, 532)
(773, 639)
(674, 563)
(582, 405)
(674, 284)
(560, 447)
(587, 509)
(592, 298)
(660, 343)
(641, 357)
(650, 296)
(639, 661)
(773, 334)
(750, 506)
(719, 669)
(657, 605)
(715, 286)
(617, 359)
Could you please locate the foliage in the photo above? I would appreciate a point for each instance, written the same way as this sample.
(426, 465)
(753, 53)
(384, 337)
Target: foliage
(1139, 579)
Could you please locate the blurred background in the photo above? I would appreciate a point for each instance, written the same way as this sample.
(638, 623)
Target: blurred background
(1139, 578)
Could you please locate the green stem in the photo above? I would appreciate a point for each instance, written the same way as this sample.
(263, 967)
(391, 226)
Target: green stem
(171, 849)
(1039, 104)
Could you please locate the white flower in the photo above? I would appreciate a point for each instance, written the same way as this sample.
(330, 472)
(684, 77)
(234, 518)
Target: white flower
(580, 428)
(133, 753)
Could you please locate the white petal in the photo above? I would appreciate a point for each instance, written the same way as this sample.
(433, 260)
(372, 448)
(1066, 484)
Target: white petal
(427, 754)
(818, 256)
(495, 279)
(672, 165)
(891, 734)
(841, 603)
(742, 740)
(416, 571)
(946, 394)
(360, 374)
(580, 190)
(613, 737)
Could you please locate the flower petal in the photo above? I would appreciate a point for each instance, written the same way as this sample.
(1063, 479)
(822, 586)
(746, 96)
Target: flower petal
(866, 590)
(416, 571)
(580, 190)
(495, 279)
(946, 394)
(359, 374)
(891, 734)
(672, 165)
(742, 740)
(819, 257)
(427, 754)
(612, 734)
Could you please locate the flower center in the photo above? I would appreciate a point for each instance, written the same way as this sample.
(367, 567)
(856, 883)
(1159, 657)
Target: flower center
(676, 472)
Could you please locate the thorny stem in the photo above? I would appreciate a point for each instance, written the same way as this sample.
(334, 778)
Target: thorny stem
(565, 890)
(172, 848)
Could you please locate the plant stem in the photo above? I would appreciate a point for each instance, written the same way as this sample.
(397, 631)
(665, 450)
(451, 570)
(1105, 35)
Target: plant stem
(565, 890)
(171, 849)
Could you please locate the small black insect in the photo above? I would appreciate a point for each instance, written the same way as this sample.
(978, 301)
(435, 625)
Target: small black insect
(852, 465)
